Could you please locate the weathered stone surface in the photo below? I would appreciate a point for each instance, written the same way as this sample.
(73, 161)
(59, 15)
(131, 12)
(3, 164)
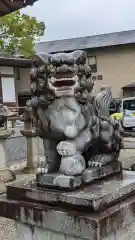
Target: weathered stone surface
(94, 197)
(129, 143)
(127, 157)
(16, 147)
(74, 124)
(43, 221)
(6, 175)
(7, 229)
(92, 174)
(25, 232)
(58, 180)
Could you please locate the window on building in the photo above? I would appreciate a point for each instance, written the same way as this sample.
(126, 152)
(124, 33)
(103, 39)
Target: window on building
(94, 78)
(99, 77)
(8, 90)
(93, 63)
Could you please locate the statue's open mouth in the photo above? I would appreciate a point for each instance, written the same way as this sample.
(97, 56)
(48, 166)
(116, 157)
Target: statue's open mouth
(63, 83)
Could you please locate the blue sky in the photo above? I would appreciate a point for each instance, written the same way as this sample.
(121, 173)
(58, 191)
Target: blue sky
(75, 18)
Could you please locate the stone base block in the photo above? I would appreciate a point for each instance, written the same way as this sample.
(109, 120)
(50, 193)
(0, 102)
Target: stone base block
(39, 221)
(25, 232)
(92, 174)
(60, 181)
(94, 197)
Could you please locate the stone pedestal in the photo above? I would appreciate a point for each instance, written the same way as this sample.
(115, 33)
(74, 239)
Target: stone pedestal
(104, 210)
(32, 152)
(31, 137)
(61, 181)
(5, 174)
(32, 156)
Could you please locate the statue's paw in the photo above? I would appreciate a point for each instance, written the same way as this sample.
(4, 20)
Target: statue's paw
(95, 164)
(66, 148)
(43, 168)
(100, 160)
(73, 165)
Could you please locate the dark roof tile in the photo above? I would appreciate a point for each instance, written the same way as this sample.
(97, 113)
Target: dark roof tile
(130, 85)
(89, 42)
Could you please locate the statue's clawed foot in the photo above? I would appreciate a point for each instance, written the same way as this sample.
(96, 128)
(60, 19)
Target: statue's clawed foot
(43, 167)
(72, 162)
(100, 160)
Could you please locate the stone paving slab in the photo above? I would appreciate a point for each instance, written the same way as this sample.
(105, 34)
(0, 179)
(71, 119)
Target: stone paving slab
(127, 157)
(129, 139)
(129, 145)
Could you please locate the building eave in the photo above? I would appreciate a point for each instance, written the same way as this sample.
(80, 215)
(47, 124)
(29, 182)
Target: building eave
(129, 86)
(8, 6)
(16, 62)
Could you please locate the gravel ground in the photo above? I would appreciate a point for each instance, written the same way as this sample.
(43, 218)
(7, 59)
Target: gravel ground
(7, 229)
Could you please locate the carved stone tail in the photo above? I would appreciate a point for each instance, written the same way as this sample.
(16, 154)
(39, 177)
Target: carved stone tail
(102, 101)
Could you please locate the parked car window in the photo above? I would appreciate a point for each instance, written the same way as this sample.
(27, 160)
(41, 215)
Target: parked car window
(129, 105)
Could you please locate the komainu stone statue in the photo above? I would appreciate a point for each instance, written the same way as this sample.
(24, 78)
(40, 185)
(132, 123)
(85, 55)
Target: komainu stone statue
(78, 134)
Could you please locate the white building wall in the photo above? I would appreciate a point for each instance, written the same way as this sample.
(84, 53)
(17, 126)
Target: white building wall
(23, 84)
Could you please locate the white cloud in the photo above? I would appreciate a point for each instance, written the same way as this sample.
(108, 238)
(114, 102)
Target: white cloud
(74, 18)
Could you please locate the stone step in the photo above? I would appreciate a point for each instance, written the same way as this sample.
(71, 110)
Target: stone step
(129, 145)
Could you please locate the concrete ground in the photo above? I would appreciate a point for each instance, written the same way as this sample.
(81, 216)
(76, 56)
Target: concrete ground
(7, 227)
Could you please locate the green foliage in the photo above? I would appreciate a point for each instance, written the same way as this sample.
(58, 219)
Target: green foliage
(18, 34)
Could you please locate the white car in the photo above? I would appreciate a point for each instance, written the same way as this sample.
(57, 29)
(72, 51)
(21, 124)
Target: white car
(128, 109)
